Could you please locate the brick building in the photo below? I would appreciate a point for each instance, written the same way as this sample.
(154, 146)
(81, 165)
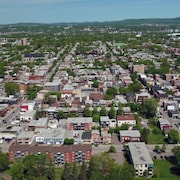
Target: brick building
(59, 154)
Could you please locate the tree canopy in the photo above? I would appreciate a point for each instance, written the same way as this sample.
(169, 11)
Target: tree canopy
(150, 107)
(11, 88)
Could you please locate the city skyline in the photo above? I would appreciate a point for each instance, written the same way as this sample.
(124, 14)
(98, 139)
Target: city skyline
(57, 11)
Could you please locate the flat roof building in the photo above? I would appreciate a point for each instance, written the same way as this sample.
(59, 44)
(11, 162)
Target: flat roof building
(140, 158)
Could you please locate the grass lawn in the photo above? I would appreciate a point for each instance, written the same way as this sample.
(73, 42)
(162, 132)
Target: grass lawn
(156, 139)
(163, 169)
(58, 173)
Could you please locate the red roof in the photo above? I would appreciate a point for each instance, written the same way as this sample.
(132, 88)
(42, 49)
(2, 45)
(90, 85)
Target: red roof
(96, 96)
(126, 118)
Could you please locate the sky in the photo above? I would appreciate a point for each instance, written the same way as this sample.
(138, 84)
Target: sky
(57, 11)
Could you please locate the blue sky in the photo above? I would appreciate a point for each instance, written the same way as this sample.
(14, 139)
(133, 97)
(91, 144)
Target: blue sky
(51, 11)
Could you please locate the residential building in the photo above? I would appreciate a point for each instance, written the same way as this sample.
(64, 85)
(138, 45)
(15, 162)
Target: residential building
(25, 137)
(52, 86)
(104, 121)
(122, 119)
(79, 123)
(140, 158)
(59, 154)
(163, 123)
(129, 136)
(51, 136)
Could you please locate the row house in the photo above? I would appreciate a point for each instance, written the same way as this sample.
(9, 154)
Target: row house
(105, 136)
(31, 57)
(160, 94)
(123, 119)
(141, 97)
(58, 154)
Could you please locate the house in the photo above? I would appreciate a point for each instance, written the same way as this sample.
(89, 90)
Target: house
(140, 158)
(129, 136)
(105, 138)
(95, 136)
(123, 119)
(130, 97)
(163, 124)
(86, 137)
(29, 105)
(104, 121)
(58, 154)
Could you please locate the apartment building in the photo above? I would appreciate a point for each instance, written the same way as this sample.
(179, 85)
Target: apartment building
(59, 154)
(79, 123)
(140, 158)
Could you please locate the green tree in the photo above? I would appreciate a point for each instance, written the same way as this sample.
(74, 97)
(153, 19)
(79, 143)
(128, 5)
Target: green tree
(83, 172)
(66, 175)
(87, 112)
(163, 148)
(173, 136)
(157, 148)
(95, 84)
(18, 170)
(96, 117)
(68, 141)
(74, 174)
(38, 166)
(124, 127)
(176, 152)
(127, 172)
(110, 93)
(145, 135)
(112, 149)
(135, 107)
(103, 111)
(145, 173)
(150, 107)
(4, 161)
(112, 112)
(95, 110)
(11, 88)
(60, 114)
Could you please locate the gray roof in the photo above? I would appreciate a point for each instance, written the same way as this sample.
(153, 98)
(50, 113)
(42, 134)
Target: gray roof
(104, 118)
(26, 134)
(52, 133)
(42, 121)
(130, 133)
(139, 153)
(163, 121)
(79, 120)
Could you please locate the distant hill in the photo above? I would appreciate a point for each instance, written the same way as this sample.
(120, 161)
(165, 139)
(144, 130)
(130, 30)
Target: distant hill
(127, 22)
